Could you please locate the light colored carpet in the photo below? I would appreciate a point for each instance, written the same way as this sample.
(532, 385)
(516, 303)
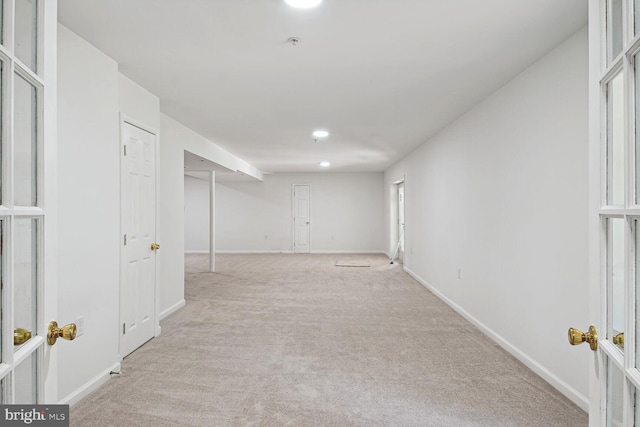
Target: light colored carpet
(275, 340)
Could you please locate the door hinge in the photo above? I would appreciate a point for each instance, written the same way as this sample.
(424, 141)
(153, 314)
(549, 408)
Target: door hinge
(125, 240)
(124, 331)
(125, 150)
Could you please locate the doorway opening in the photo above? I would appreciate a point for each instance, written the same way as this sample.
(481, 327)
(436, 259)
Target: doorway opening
(138, 293)
(397, 231)
(301, 218)
(200, 206)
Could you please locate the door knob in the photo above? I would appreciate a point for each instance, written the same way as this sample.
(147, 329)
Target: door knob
(155, 246)
(577, 337)
(67, 332)
(619, 339)
(21, 336)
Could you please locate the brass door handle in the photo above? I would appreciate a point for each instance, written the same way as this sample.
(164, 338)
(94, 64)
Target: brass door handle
(67, 332)
(619, 339)
(155, 246)
(577, 337)
(21, 336)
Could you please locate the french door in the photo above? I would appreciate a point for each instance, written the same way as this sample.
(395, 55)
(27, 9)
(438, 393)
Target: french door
(27, 141)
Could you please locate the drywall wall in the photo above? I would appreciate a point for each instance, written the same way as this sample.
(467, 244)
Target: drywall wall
(89, 210)
(496, 214)
(138, 104)
(196, 211)
(346, 213)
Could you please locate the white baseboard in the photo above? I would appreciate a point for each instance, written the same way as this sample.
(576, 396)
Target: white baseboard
(564, 388)
(175, 307)
(290, 252)
(251, 252)
(196, 252)
(240, 252)
(348, 252)
(91, 386)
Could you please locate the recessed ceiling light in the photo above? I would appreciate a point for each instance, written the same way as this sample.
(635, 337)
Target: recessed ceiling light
(325, 164)
(303, 4)
(320, 134)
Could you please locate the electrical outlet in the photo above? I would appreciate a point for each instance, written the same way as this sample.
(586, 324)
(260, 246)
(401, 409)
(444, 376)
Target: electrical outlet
(80, 326)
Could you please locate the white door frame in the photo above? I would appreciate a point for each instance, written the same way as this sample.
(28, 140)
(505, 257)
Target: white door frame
(212, 221)
(49, 57)
(401, 222)
(394, 217)
(127, 119)
(597, 364)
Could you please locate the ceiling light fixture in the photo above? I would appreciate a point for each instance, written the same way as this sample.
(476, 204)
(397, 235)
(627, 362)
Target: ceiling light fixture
(303, 4)
(325, 164)
(320, 134)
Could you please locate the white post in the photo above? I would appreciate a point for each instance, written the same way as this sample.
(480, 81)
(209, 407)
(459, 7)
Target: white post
(212, 222)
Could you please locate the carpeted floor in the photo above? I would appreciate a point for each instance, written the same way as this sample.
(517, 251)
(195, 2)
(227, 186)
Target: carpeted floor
(276, 340)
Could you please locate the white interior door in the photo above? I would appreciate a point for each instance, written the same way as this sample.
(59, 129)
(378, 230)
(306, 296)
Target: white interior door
(614, 74)
(301, 219)
(28, 373)
(401, 222)
(138, 269)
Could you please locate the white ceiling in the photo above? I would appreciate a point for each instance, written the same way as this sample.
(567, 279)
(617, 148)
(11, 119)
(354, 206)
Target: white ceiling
(381, 75)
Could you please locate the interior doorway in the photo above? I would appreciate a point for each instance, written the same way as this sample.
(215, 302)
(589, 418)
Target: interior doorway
(301, 219)
(401, 222)
(138, 308)
(200, 208)
(397, 221)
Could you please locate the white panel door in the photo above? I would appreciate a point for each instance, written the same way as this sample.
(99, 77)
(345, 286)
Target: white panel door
(301, 219)
(401, 222)
(138, 269)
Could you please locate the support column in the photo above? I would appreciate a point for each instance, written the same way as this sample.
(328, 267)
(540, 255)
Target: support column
(212, 222)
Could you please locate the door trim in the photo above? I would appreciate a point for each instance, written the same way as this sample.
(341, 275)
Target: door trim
(140, 125)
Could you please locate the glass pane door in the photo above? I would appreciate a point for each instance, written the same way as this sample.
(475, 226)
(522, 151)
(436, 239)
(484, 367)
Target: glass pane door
(21, 213)
(615, 134)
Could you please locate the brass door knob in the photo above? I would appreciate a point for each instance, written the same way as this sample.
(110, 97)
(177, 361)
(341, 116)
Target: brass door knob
(619, 339)
(21, 336)
(67, 332)
(155, 246)
(577, 337)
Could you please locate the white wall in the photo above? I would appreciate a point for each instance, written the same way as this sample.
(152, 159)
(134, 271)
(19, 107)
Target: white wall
(138, 104)
(501, 194)
(89, 210)
(196, 211)
(346, 213)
